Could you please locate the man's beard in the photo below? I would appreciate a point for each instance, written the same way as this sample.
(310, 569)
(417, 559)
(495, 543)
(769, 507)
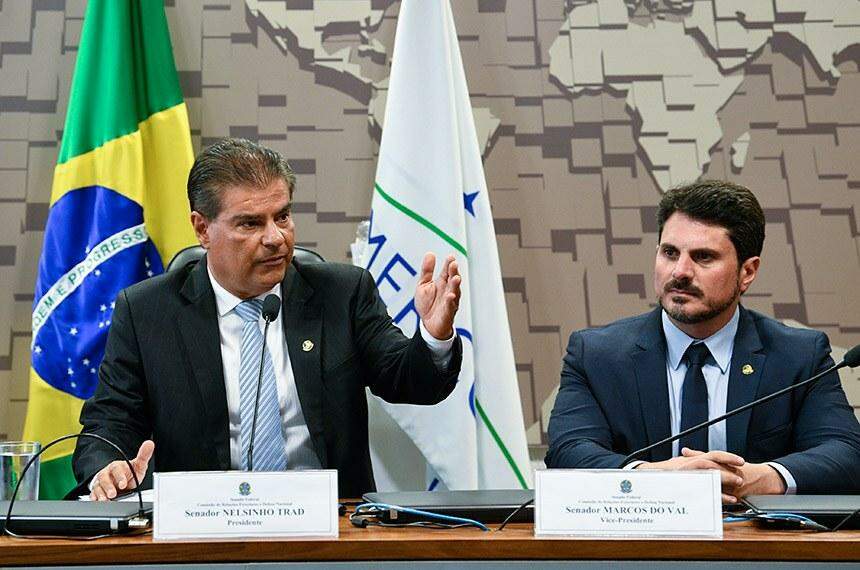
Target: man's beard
(711, 310)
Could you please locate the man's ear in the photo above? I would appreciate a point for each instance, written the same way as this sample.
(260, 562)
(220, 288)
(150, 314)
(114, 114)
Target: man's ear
(201, 228)
(748, 272)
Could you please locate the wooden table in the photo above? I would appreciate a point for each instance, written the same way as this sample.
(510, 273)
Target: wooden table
(742, 541)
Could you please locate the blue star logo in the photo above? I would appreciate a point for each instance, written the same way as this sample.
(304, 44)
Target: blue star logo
(469, 202)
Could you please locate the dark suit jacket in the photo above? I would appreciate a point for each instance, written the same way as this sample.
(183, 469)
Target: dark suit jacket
(162, 374)
(614, 399)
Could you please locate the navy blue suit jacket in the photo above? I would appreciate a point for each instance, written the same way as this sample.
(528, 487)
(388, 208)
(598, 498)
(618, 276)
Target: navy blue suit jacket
(614, 399)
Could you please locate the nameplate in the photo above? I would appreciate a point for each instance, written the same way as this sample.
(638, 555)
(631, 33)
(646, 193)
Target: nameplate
(240, 504)
(628, 503)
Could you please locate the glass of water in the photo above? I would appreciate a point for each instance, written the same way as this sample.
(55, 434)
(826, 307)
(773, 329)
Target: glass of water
(14, 456)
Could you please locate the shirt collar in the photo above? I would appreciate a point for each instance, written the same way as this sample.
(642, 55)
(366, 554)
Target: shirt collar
(720, 343)
(227, 301)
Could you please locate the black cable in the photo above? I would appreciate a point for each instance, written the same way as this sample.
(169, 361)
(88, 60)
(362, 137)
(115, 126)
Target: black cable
(270, 310)
(802, 521)
(515, 513)
(845, 520)
(141, 512)
(738, 516)
(362, 518)
(421, 524)
(136, 532)
(257, 399)
(365, 512)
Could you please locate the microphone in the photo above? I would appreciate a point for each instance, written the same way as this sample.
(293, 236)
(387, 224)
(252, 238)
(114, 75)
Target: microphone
(851, 360)
(271, 308)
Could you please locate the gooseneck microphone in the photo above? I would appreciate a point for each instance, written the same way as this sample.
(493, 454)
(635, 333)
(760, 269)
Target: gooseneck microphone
(271, 308)
(851, 359)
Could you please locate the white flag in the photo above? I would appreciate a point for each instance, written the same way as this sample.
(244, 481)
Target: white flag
(430, 195)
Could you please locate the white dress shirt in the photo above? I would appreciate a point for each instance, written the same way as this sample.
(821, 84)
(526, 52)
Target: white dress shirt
(297, 439)
(716, 373)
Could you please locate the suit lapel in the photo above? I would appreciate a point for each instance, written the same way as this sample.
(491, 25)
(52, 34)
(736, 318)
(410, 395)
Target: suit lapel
(198, 325)
(649, 365)
(743, 387)
(302, 325)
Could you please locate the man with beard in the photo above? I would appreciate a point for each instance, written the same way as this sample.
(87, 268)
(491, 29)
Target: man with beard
(699, 354)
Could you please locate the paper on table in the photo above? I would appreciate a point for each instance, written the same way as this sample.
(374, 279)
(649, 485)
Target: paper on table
(148, 496)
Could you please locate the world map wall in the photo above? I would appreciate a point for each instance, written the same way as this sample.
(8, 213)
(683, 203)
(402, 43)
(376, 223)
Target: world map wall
(586, 112)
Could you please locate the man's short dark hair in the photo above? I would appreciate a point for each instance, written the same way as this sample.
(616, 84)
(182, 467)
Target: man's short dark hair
(721, 203)
(233, 162)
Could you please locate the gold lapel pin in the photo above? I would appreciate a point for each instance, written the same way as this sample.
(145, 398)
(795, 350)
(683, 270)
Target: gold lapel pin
(747, 369)
(308, 346)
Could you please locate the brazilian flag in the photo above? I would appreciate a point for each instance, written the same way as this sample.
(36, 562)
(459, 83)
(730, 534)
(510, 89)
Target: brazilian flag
(118, 211)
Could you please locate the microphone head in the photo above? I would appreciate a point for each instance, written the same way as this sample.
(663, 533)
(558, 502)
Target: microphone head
(852, 357)
(271, 307)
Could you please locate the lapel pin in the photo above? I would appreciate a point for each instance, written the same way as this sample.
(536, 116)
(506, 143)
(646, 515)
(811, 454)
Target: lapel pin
(308, 346)
(747, 369)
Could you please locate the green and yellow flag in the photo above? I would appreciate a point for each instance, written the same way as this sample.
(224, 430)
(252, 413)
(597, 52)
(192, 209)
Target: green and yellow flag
(118, 211)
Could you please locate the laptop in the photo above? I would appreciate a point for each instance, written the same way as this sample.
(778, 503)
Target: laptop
(827, 510)
(484, 506)
(74, 518)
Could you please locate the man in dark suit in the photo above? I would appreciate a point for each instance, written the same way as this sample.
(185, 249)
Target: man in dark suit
(700, 354)
(179, 375)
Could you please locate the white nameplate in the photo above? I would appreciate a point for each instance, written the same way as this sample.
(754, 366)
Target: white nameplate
(239, 504)
(631, 503)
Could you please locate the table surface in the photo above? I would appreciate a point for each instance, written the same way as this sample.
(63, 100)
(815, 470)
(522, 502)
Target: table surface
(741, 541)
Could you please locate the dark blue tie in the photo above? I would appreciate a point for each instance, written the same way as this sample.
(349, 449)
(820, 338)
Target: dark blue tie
(694, 397)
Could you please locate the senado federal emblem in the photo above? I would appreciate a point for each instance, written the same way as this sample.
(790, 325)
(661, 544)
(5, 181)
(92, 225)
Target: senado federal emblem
(244, 489)
(626, 486)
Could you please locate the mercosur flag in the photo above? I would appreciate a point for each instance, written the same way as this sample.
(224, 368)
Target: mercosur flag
(430, 195)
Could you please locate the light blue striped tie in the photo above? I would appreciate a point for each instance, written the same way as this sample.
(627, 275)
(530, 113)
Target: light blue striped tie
(269, 452)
